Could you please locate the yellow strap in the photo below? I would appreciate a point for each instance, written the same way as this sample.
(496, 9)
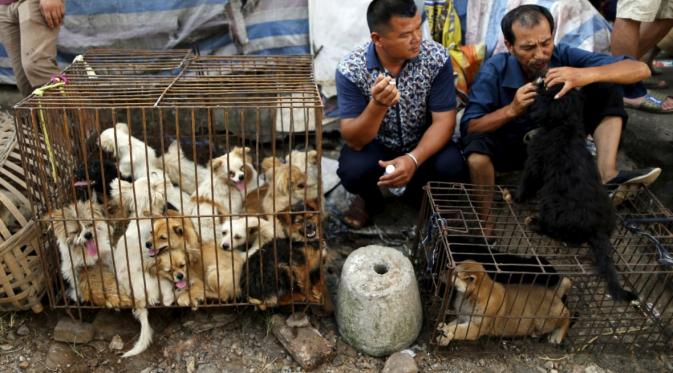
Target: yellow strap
(39, 92)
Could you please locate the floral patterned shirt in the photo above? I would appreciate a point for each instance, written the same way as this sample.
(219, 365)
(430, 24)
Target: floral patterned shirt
(425, 84)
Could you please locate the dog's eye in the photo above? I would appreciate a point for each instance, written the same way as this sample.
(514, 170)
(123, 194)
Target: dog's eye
(242, 168)
(163, 237)
(237, 237)
(301, 185)
(225, 232)
(232, 174)
(182, 265)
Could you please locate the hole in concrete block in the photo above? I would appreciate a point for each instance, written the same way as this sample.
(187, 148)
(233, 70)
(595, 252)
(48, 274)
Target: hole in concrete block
(381, 268)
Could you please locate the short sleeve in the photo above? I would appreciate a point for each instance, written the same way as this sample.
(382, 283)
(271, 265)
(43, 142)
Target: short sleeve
(352, 102)
(482, 96)
(443, 91)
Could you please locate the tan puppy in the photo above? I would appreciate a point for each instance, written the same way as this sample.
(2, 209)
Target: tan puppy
(508, 310)
(98, 285)
(218, 269)
(287, 186)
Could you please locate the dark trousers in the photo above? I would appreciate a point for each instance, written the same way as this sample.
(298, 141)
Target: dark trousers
(359, 171)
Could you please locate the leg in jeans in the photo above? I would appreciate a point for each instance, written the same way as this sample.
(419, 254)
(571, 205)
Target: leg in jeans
(359, 172)
(10, 34)
(38, 44)
(446, 165)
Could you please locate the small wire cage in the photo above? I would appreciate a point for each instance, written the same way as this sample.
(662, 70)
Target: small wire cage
(532, 269)
(170, 179)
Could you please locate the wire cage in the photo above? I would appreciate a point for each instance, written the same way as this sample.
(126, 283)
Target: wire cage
(170, 179)
(552, 289)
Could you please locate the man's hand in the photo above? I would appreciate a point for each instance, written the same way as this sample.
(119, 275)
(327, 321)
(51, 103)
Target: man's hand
(384, 93)
(525, 96)
(404, 171)
(53, 12)
(570, 77)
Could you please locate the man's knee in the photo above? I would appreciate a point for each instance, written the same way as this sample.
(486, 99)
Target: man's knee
(450, 164)
(479, 163)
(356, 168)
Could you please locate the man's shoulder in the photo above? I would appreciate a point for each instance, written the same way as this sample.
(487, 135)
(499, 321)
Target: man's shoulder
(355, 59)
(433, 52)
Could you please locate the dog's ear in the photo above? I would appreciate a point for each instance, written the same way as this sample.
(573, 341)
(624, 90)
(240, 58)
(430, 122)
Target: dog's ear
(194, 256)
(253, 232)
(122, 127)
(269, 163)
(216, 164)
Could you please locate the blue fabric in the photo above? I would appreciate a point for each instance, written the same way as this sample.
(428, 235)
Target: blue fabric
(499, 78)
(425, 84)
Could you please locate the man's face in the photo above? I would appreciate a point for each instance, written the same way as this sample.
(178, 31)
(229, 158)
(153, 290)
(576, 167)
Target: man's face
(533, 47)
(401, 39)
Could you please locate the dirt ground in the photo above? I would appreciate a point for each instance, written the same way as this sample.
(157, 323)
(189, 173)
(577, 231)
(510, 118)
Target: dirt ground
(240, 340)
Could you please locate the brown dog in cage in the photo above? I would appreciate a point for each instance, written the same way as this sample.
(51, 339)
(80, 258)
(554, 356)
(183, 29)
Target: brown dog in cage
(485, 307)
(297, 259)
(574, 207)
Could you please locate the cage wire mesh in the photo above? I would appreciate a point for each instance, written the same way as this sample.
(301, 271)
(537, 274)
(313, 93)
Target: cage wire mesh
(173, 179)
(451, 233)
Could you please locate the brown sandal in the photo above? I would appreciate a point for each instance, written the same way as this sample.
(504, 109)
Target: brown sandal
(356, 216)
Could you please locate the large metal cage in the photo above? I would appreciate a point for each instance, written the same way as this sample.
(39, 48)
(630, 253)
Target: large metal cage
(450, 233)
(244, 134)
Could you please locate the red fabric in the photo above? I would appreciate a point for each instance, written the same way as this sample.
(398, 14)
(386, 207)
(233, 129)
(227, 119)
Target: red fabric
(6, 2)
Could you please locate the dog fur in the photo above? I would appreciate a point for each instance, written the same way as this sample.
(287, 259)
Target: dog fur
(220, 193)
(296, 260)
(486, 307)
(573, 205)
(134, 158)
(181, 171)
(97, 285)
(83, 238)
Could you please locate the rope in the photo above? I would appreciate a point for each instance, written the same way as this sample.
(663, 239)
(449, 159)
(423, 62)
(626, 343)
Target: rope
(57, 81)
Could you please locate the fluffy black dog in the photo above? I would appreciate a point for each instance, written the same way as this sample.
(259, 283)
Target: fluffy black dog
(574, 206)
(100, 175)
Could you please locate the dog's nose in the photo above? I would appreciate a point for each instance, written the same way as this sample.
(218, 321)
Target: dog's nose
(225, 246)
(88, 236)
(310, 227)
(148, 244)
(241, 177)
(179, 276)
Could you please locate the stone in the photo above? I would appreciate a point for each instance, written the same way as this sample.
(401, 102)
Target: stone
(108, 323)
(207, 368)
(62, 357)
(116, 344)
(378, 308)
(308, 348)
(24, 365)
(23, 331)
(400, 362)
(70, 331)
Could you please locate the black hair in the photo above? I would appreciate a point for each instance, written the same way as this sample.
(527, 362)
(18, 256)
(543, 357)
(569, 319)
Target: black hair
(527, 16)
(379, 12)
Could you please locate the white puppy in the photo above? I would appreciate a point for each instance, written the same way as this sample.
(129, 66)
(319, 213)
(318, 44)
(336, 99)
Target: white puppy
(183, 172)
(83, 238)
(134, 157)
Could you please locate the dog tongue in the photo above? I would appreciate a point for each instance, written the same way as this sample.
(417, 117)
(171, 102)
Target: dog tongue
(241, 185)
(91, 248)
(181, 284)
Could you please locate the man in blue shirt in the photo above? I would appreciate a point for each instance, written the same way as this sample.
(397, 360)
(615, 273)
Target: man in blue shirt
(495, 122)
(397, 105)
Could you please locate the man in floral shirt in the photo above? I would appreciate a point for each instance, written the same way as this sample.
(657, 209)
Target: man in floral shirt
(397, 105)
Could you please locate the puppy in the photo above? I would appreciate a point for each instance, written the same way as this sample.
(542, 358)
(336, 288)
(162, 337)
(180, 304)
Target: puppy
(486, 307)
(83, 238)
(97, 176)
(294, 262)
(218, 268)
(573, 205)
(308, 163)
(181, 171)
(247, 233)
(220, 193)
(134, 157)
(287, 185)
(185, 270)
(97, 285)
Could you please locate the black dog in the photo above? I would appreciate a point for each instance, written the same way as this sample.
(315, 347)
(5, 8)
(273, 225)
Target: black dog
(574, 206)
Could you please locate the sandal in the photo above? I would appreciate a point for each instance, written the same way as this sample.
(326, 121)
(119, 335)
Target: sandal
(652, 103)
(356, 216)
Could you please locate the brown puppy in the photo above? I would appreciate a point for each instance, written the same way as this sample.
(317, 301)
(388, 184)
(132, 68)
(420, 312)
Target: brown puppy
(184, 269)
(218, 270)
(486, 307)
(98, 285)
(287, 186)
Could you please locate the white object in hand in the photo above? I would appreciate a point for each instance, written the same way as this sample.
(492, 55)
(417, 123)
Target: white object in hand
(395, 191)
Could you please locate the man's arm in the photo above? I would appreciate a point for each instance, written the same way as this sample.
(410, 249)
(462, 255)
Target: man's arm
(434, 139)
(359, 130)
(525, 96)
(594, 68)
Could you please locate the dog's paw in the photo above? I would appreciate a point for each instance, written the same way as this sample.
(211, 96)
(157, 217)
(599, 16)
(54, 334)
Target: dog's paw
(506, 195)
(183, 300)
(445, 335)
(556, 337)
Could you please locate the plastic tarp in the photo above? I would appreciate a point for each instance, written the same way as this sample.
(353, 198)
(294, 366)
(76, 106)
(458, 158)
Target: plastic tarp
(212, 27)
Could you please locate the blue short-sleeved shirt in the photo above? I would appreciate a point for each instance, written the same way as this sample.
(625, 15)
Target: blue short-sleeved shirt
(425, 83)
(499, 78)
